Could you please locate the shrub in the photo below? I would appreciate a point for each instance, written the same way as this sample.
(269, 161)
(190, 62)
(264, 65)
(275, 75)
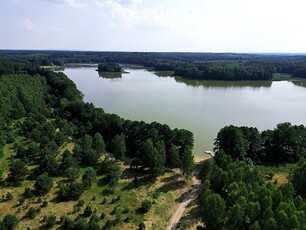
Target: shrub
(50, 220)
(145, 206)
(43, 184)
(10, 221)
(142, 226)
(32, 212)
(9, 196)
(44, 203)
(87, 211)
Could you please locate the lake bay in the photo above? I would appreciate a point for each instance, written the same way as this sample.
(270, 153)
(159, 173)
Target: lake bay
(203, 107)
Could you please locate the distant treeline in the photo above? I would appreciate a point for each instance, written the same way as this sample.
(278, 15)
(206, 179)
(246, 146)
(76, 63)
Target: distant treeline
(222, 66)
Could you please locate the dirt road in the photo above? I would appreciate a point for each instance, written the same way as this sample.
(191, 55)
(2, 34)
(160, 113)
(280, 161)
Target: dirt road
(187, 197)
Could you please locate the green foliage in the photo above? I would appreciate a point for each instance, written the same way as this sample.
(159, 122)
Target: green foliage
(17, 172)
(112, 173)
(49, 165)
(87, 211)
(43, 184)
(89, 177)
(67, 161)
(231, 140)
(9, 196)
(283, 144)
(299, 180)
(72, 191)
(299, 73)
(109, 67)
(50, 220)
(32, 212)
(10, 221)
(234, 195)
(214, 215)
(72, 173)
(98, 142)
(21, 94)
(187, 163)
(142, 226)
(118, 147)
(146, 206)
(174, 157)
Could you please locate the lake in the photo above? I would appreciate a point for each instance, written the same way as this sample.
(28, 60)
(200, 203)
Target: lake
(203, 107)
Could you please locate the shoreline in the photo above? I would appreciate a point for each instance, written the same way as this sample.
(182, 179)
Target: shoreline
(201, 158)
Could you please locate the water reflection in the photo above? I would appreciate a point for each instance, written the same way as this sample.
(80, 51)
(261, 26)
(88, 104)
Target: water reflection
(301, 83)
(110, 75)
(223, 84)
(164, 73)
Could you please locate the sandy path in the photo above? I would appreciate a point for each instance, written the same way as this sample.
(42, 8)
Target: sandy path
(183, 204)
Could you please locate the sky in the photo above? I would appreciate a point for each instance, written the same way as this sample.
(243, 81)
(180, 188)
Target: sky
(247, 26)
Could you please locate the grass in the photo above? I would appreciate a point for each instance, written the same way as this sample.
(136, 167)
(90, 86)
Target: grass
(127, 199)
(277, 173)
(281, 77)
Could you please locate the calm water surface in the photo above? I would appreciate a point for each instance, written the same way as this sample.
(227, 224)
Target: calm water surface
(203, 107)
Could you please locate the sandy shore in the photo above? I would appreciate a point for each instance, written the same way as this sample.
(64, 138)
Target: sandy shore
(201, 158)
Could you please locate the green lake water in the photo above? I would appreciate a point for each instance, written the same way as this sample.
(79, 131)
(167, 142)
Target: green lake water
(203, 107)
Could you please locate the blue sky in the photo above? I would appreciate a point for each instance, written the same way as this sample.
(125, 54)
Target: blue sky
(154, 25)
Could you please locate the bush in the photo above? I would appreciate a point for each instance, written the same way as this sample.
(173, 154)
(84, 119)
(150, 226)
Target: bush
(32, 212)
(43, 184)
(80, 223)
(28, 193)
(10, 221)
(9, 196)
(72, 191)
(145, 206)
(89, 177)
(80, 203)
(142, 226)
(66, 222)
(44, 204)
(50, 220)
(72, 173)
(87, 211)
(21, 200)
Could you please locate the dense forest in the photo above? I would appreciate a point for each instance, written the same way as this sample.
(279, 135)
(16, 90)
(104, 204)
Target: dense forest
(285, 143)
(240, 189)
(42, 111)
(212, 66)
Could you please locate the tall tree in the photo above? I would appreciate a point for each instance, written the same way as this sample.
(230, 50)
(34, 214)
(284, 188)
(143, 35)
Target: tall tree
(118, 147)
(17, 172)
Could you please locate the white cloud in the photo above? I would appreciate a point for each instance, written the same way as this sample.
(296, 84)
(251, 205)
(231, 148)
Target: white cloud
(27, 25)
(72, 3)
(119, 12)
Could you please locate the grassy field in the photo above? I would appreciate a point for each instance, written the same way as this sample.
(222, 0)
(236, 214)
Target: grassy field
(281, 77)
(123, 203)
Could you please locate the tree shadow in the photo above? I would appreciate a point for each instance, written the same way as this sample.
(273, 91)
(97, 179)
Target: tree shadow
(172, 186)
(172, 178)
(142, 181)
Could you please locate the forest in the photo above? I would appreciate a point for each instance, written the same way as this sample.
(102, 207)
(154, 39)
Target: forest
(202, 66)
(104, 171)
(52, 139)
(240, 187)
